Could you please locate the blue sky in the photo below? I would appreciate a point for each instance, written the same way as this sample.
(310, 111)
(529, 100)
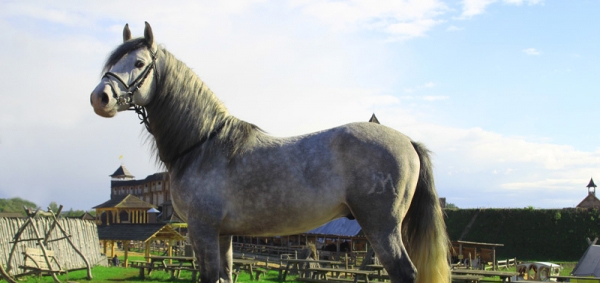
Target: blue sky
(503, 92)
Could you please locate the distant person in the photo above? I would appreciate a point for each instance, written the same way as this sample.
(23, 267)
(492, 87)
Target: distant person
(115, 261)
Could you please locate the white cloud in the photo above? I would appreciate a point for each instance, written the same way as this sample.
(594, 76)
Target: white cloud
(475, 7)
(531, 51)
(429, 85)
(454, 28)
(413, 89)
(399, 19)
(435, 97)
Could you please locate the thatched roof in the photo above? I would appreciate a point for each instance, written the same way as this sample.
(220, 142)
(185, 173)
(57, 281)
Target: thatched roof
(138, 232)
(128, 201)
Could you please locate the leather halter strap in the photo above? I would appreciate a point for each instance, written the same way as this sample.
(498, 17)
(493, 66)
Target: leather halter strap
(127, 98)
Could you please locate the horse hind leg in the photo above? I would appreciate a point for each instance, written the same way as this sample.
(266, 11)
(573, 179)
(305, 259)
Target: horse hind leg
(389, 248)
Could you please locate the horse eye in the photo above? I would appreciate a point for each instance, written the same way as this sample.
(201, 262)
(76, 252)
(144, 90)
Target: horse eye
(139, 64)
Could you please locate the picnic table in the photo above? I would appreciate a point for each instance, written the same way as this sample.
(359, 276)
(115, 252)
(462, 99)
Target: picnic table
(504, 275)
(248, 265)
(379, 269)
(568, 278)
(321, 273)
(466, 278)
(164, 262)
(167, 260)
(298, 262)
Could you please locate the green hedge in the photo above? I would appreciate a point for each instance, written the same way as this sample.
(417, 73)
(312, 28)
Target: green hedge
(529, 234)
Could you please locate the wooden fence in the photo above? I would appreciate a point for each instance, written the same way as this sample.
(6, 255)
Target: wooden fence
(83, 234)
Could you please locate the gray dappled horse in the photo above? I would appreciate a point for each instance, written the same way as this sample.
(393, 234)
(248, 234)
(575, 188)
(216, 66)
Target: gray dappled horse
(230, 178)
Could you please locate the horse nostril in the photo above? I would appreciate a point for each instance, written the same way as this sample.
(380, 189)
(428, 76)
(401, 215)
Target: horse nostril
(104, 98)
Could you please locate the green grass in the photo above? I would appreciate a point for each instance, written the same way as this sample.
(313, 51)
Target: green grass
(121, 274)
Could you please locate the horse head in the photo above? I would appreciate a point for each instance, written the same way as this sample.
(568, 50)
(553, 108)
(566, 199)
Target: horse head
(126, 83)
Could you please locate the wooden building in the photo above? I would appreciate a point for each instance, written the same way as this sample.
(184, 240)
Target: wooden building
(123, 209)
(154, 189)
(590, 201)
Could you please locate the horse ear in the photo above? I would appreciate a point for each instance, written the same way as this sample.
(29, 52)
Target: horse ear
(148, 34)
(126, 33)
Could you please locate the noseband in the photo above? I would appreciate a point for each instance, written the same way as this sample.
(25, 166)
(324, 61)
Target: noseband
(127, 98)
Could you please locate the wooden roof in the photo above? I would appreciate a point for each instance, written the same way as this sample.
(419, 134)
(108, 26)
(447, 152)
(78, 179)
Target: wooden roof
(374, 119)
(138, 232)
(341, 227)
(591, 201)
(122, 172)
(591, 184)
(128, 201)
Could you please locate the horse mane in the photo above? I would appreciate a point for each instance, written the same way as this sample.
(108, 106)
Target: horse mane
(184, 111)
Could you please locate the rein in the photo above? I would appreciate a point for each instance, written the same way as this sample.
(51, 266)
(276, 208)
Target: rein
(199, 143)
(127, 98)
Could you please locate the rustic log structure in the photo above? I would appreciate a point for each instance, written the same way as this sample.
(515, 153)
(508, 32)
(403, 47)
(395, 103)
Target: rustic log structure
(72, 241)
(125, 233)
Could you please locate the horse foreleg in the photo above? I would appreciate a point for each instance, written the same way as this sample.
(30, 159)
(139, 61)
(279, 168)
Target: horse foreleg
(226, 258)
(205, 242)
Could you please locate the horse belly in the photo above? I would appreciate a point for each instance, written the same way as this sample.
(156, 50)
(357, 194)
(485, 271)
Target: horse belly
(282, 218)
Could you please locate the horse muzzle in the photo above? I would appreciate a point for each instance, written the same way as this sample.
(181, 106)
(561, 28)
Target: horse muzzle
(103, 102)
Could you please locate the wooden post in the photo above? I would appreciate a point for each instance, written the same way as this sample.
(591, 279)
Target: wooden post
(112, 249)
(170, 243)
(494, 263)
(147, 251)
(126, 253)
(346, 260)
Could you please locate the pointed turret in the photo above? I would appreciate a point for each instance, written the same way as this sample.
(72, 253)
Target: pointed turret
(122, 174)
(591, 187)
(374, 119)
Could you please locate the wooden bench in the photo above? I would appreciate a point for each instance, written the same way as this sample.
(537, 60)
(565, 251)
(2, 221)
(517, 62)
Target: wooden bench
(37, 263)
(136, 263)
(502, 264)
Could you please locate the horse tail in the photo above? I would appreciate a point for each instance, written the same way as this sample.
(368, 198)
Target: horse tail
(424, 230)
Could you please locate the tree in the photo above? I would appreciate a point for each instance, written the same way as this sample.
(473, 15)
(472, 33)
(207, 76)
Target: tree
(451, 206)
(53, 206)
(15, 205)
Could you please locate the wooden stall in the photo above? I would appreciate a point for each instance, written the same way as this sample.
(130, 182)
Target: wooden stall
(125, 233)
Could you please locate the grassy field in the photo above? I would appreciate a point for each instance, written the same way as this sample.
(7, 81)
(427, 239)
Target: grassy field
(121, 274)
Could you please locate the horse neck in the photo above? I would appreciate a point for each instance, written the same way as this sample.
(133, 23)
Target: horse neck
(183, 111)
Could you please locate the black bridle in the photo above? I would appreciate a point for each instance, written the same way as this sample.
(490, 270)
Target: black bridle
(127, 98)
